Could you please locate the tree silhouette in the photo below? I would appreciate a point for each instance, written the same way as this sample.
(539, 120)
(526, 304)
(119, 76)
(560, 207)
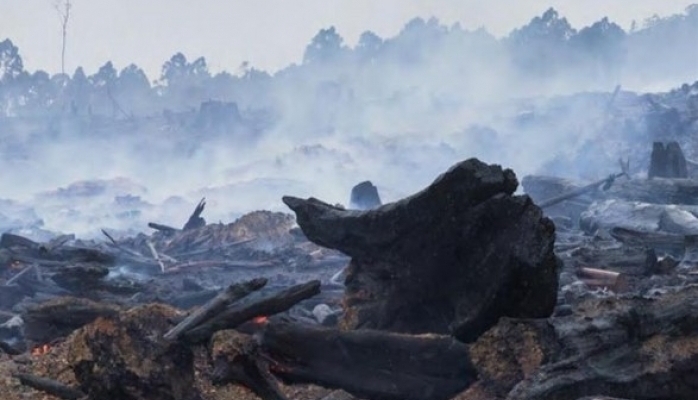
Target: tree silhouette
(63, 8)
(541, 47)
(326, 46)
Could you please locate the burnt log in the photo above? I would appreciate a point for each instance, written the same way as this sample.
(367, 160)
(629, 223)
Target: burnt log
(369, 364)
(634, 348)
(81, 277)
(238, 314)
(59, 317)
(452, 258)
(50, 386)
(670, 242)
(8, 240)
(653, 191)
(124, 357)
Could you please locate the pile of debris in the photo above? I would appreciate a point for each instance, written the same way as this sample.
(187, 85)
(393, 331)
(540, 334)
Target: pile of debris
(456, 292)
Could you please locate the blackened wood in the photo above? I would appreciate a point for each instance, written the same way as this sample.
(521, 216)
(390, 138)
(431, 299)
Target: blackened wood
(231, 294)
(56, 242)
(195, 220)
(59, 317)
(8, 240)
(266, 306)
(236, 359)
(247, 372)
(50, 386)
(8, 349)
(452, 258)
(163, 228)
(38, 261)
(369, 364)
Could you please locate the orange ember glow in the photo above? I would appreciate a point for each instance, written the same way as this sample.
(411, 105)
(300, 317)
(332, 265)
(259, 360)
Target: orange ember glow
(41, 350)
(260, 320)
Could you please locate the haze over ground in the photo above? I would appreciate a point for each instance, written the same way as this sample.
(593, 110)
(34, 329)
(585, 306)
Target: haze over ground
(269, 34)
(410, 98)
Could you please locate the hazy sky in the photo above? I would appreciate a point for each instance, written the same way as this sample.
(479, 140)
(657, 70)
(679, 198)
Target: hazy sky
(268, 33)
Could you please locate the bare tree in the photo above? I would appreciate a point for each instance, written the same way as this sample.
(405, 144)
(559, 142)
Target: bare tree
(63, 8)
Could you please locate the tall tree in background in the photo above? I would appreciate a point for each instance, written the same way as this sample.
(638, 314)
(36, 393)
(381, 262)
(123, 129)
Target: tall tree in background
(63, 8)
(327, 46)
(541, 48)
(11, 65)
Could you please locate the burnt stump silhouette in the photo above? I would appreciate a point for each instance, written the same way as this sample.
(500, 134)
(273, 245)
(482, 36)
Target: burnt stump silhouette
(453, 258)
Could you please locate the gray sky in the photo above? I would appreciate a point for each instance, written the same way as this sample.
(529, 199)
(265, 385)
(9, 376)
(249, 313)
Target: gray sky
(268, 33)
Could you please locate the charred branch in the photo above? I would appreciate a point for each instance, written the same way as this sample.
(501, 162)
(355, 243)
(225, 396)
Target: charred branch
(230, 295)
(163, 228)
(50, 386)
(239, 314)
(195, 219)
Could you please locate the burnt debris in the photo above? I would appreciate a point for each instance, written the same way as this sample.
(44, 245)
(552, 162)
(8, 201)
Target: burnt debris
(462, 291)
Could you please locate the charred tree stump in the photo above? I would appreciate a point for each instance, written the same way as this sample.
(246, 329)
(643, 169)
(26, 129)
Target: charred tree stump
(369, 364)
(452, 258)
(195, 220)
(667, 161)
(364, 196)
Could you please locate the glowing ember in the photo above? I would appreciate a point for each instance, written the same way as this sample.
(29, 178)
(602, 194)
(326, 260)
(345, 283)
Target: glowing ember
(41, 350)
(260, 320)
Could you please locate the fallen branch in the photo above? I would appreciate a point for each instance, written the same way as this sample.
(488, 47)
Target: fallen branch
(269, 305)
(19, 275)
(232, 294)
(156, 256)
(133, 253)
(56, 242)
(163, 228)
(32, 260)
(50, 386)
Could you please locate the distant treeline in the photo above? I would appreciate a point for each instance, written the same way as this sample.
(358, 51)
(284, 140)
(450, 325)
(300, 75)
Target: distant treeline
(449, 63)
